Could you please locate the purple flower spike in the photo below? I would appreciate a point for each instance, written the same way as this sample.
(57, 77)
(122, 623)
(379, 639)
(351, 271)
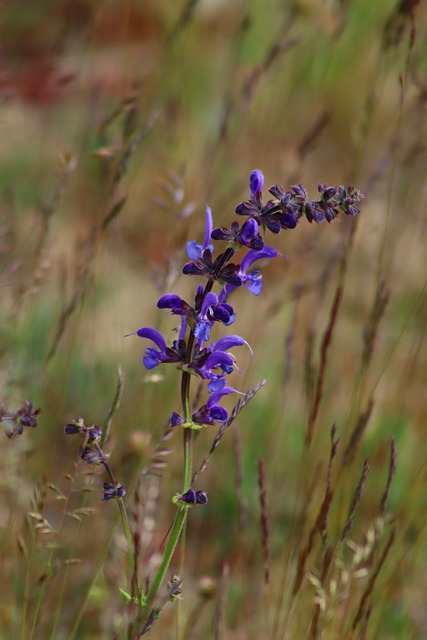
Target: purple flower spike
(256, 182)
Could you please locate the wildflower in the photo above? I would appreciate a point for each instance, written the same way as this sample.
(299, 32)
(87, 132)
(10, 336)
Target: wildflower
(212, 310)
(111, 491)
(176, 420)
(201, 497)
(78, 426)
(347, 198)
(90, 456)
(256, 183)
(195, 250)
(253, 280)
(207, 361)
(193, 497)
(25, 416)
(212, 412)
(213, 270)
(177, 305)
(94, 434)
(247, 235)
(164, 354)
(189, 497)
(327, 202)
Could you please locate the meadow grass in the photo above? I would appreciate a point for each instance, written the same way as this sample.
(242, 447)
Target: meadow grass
(118, 125)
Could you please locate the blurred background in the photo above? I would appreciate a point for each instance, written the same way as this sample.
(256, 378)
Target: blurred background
(119, 121)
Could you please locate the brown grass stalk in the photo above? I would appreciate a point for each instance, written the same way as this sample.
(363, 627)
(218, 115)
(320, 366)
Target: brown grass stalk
(264, 519)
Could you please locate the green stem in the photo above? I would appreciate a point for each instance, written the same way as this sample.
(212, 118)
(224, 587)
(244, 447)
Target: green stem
(123, 515)
(188, 464)
(168, 553)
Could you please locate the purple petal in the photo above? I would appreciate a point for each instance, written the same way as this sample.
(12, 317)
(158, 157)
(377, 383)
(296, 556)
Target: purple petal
(217, 382)
(249, 230)
(154, 335)
(256, 182)
(218, 358)
(228, 342)
(253, 256)
(219, 414)
(208, 227)
(203, 330)
(210, 300)
(214, 398)
(255, 285)
(194, 250)
(170, 301)
(189, 497)
(183, 328)
(150, 362)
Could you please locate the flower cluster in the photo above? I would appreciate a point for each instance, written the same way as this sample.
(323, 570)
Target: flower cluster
(25, 416)
(92, 453)
(191, 351)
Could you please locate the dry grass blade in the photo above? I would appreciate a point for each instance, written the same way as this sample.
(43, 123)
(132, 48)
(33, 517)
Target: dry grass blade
(81, 285)
(237, 450)
(221, 605)
(329, 492)
(356, 499)
(184, 19)
(113, 407)
(326, 342)
(241, 404)
(321, 520)
(113, 212)
(265, 524)
(357, 433)
(382, 297)
(311, 137)
(130, 149)
(370, 586)
(391, 473)
(276, 50)
(173, 590)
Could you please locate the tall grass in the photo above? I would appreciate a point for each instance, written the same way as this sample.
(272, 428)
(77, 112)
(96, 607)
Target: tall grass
(118, 125)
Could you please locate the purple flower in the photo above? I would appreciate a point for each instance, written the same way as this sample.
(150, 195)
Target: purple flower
(193, 497)
(256, 182)
(213, 270)
(176, 420)
(164, 354)
(201, 497)
(110, 491)
(212, 310)
(195, 250)
(213, 363)
(212, 412)
(176, 304)
(247, 235)
(327, 204)
(94, 434)
(347, 198)
(189, 497)
(90, 456)
(253, 280)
